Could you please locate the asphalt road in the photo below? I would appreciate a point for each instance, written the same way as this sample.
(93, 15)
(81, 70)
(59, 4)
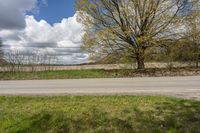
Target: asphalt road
(183, 87)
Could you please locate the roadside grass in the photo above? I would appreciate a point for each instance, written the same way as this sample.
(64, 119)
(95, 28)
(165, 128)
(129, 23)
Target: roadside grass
(85, 114)
(78, 74)
(68, 74)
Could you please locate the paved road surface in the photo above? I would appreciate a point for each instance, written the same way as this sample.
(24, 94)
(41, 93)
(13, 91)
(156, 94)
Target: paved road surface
(184, 87)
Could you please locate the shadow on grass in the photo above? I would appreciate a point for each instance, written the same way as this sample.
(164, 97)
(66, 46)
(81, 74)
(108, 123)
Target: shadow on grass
(180, 116)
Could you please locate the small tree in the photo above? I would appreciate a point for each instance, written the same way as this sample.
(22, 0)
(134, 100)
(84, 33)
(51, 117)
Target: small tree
(192, 23)
(130, 26)
(1, 51)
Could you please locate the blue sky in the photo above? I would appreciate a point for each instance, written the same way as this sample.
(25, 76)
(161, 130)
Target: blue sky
(54, 10)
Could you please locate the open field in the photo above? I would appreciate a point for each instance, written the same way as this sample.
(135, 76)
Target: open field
(99, 73)
(98, 114)
(92, 67)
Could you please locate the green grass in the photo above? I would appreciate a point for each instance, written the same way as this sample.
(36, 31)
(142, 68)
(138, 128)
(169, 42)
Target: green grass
(78, 74)
(68, 74)
(87, 114)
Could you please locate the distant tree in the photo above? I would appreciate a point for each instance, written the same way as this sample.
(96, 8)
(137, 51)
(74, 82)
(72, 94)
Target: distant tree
(129, 26)
(1, 51)
(192, 23)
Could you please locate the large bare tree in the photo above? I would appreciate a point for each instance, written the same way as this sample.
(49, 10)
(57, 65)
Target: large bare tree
(130, 27)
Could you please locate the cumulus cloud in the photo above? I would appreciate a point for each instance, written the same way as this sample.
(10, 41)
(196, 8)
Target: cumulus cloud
(62, 40)
(67, 33)
(12, 13)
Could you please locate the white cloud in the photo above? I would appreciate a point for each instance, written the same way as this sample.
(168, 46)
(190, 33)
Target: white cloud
(37, 31)
(60, 39)
(66, 33)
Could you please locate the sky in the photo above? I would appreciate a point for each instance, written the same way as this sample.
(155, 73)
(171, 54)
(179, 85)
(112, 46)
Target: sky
(44, 27)
(53, 11)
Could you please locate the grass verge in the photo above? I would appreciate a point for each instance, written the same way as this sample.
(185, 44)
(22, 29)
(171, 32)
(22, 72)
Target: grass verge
(98, 114)
(78, 74)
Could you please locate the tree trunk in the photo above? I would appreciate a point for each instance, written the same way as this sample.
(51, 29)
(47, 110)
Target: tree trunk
(197, 61)
(140, 58)
(140, 62)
